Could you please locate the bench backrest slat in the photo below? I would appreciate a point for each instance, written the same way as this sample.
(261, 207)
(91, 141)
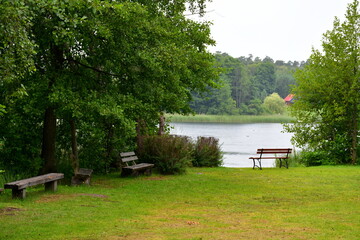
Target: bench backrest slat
(274, 150)
(128, 158)
(127, 154)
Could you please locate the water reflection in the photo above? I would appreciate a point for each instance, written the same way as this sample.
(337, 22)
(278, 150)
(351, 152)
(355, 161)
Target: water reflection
(239, 141)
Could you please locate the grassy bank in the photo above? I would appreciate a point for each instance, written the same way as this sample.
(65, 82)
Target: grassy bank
(231, 118)
(217, 203)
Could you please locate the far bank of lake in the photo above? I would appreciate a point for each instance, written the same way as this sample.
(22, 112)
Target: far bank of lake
(231, 118)
(238, 141)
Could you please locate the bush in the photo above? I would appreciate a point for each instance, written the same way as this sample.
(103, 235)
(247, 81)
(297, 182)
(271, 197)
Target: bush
(170, 154)
(309, 158)
(207, 152)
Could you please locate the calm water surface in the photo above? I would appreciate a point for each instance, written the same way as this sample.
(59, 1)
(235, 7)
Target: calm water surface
(239, 141)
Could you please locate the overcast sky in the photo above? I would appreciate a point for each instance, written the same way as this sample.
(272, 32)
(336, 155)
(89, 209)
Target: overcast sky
(281, 29)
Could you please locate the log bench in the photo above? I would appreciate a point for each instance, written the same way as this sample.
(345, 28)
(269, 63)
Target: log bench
(277, 153)
(82, 176)
(19, 187)
(131, 168)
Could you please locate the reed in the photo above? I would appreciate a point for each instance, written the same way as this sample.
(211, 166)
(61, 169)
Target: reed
(231, 118)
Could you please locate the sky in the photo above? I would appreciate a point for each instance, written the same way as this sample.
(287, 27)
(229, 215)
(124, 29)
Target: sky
(281, 29)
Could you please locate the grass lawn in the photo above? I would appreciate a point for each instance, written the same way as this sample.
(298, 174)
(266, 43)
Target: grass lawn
(209, 203)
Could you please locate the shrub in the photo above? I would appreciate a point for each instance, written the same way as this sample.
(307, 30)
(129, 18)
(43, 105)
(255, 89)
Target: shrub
(207, 152)
(310, 158)
(170, 154)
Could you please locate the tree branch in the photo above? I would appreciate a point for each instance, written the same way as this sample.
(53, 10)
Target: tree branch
(94, 68)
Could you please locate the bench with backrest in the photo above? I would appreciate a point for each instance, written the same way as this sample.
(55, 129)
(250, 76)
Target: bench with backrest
(277, 153)
(131, 168)
(19, 187)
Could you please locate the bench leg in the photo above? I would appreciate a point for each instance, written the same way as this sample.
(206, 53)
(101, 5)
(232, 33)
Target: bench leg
(51, 186)
(259, 161)
(147, 172)
(135, 173)
(18, 194)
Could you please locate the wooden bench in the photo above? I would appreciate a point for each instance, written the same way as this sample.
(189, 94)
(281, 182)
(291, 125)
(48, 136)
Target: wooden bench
(19, 187)
(131, 168)
(283, 152)
(82, 176)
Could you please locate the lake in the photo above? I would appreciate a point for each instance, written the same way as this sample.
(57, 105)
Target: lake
(239, 141)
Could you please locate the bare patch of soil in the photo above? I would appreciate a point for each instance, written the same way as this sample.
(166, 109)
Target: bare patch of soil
(9, 211)
(93, 195)
(53, 198)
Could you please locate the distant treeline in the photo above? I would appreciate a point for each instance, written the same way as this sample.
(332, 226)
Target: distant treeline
(246, 82)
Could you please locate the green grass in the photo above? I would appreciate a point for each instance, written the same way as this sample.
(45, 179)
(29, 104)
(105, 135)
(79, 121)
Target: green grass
(231, 118)
(209, 203)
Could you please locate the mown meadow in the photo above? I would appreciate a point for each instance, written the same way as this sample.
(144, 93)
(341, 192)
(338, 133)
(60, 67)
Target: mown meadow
(205, 203)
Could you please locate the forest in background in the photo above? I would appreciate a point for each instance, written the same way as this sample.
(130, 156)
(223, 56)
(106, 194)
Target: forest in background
(246, 82)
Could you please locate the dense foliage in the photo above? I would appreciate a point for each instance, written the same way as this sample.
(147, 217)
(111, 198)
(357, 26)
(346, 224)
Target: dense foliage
(207, 152)
(173, 154)
(77, 76)
(170, 154)
(328, 94)
(246, 82)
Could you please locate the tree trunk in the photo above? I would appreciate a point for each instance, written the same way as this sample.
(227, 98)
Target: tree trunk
(48, 142)
(109, 145)
(49, 129)
(74, 149)
(354, 135)
(161, 125)
(140, 126)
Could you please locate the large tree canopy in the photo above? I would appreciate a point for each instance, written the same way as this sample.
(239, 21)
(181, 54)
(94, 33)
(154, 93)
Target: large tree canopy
(100, 67)
(328, 93)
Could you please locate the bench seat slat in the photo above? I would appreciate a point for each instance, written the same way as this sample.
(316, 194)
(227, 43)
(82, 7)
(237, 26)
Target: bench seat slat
(24, 183)
(140, 166)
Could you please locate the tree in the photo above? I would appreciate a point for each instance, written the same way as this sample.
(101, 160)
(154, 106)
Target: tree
(100, 67)
(215, 101)
(274, 104)
(284, 80)
(263, 79)
(16, 48)
(328, 93)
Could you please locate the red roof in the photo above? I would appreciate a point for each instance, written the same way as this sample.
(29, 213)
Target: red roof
(289, 98)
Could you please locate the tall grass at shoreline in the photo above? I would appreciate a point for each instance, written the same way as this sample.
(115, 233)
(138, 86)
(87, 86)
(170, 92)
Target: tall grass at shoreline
(230, 118)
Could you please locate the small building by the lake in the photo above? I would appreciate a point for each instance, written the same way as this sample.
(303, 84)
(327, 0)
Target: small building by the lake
(289, 99)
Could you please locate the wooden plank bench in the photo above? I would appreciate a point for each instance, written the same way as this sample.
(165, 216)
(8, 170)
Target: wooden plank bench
(132, 168)
(19, 187)
(82, 176)
(284, 155)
